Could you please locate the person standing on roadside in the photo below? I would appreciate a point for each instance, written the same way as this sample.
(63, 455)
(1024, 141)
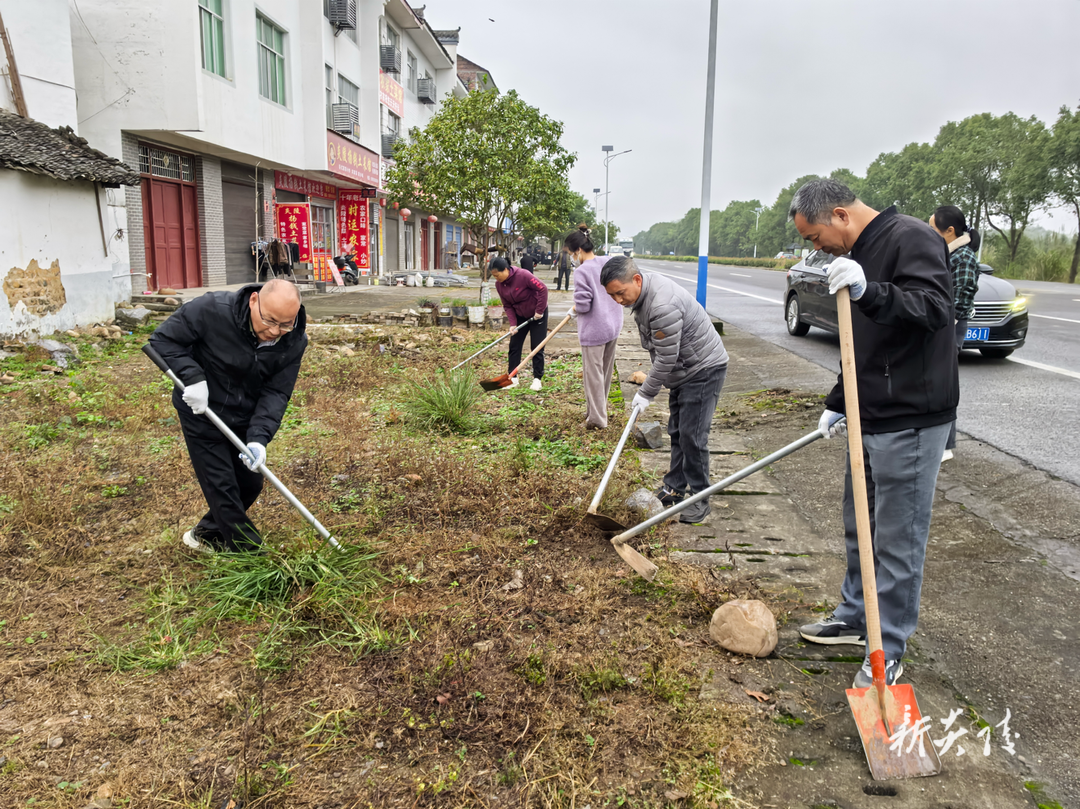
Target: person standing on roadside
(527, 262)
(524, 297)
(237, 353)
(599, 321)
(963, 242)
(564, 266)
(689, 358)
(905, 355)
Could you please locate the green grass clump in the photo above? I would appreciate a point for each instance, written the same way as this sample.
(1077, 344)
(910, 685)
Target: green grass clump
(443, 404)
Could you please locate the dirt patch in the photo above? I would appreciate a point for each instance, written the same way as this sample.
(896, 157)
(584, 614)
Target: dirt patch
(129, 664)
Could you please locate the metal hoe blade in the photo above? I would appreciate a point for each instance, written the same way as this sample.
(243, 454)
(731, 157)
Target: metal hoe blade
(909, 752)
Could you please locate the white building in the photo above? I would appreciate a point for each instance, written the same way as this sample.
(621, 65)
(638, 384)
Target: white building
(63, 255)
(230, 109)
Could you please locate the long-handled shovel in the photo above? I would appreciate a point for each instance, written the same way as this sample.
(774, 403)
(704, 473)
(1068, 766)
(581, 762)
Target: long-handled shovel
(149, 351)
(880, 710)
(512, 331)
(505, 380)
(620, 540)
(643, 566)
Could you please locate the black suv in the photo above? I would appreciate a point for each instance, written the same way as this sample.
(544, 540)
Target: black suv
(998, 327)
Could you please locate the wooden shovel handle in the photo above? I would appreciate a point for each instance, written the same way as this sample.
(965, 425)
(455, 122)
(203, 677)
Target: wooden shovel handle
(543, 343)
(858, 472)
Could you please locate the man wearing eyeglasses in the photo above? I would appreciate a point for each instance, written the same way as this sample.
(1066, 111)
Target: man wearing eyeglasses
(237, 353)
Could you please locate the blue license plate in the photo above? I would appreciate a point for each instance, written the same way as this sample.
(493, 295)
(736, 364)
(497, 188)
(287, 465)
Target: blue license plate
(980, 335)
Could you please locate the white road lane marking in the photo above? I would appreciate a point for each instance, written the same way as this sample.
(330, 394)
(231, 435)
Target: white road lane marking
(1051, 317)
(740, 275)
(1042, 367)
(722, 289)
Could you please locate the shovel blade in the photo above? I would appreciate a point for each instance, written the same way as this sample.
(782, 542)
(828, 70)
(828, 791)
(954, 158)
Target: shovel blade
(643, 567)
(496, 382)
(603, 522)
(908, 754)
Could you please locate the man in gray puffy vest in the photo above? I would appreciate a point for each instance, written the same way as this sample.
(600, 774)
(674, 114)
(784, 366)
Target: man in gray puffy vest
(688, 358)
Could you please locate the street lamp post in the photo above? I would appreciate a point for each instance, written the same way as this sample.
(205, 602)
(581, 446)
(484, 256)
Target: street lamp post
(706, 163)
(596, 203)
(607, 192)
(757, 217)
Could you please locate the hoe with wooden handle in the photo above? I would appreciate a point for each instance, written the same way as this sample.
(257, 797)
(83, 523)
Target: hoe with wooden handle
(505, 380)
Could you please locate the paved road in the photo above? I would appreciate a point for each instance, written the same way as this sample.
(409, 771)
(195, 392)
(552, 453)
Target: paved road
(1027, 405)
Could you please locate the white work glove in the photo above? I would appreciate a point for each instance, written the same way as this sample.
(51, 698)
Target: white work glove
(254, 457)
(641, 402)
(832, 424)
(197, 397)
(847, 273)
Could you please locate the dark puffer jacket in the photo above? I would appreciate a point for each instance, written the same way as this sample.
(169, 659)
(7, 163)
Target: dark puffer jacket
(211, 339)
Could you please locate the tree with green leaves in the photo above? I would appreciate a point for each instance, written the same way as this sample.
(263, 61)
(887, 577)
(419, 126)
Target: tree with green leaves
(1065, 172)
(907, 179)
(486, 160)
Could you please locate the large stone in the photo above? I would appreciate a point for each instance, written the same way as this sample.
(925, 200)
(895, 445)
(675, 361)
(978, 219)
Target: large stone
(745, 627)
(132, 318)
(645, 503)
(638, 377)
(649, 434)
(61, 353)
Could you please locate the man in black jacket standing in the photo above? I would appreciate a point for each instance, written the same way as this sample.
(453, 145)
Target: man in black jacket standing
(237, 353)
(905, 357)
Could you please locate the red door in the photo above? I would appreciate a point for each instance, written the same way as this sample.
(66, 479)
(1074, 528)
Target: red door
(171, 224)
(425, 242)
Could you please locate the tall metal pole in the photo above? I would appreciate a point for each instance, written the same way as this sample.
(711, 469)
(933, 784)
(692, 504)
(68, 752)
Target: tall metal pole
(596, 203)
(706, 165)
(607, 191)
(757, 218)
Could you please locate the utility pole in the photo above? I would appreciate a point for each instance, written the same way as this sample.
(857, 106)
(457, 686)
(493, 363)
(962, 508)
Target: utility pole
(13, 74)
(607, 191)
(596, 204)
(706, 163)
(757, 211)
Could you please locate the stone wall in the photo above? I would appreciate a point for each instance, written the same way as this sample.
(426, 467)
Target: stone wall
(39, 289)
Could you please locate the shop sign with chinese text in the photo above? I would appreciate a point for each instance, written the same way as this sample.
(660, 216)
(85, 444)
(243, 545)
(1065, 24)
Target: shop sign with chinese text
(353, 227)
(391, 95)
(294, 225)
(351, 161)
(284, 181)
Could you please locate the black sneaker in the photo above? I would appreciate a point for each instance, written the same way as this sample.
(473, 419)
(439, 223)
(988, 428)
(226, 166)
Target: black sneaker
(696, 513)
(669, 497)
(864, 678)
(831, 631)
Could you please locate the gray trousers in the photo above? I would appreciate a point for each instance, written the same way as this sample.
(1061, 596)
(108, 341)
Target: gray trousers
(961, 330)
(597, 365)
(901, 472)
(691, 406)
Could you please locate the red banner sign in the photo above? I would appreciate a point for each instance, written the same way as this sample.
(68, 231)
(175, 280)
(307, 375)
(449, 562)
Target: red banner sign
(346, 159)
(294, 225)
(302, 185)
(392, 95)
(353, 227)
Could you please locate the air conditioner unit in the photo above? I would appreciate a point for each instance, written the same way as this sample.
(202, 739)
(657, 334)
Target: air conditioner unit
(425, 91)
(343, 14)
(388, 141)
(346, 119)
(390, 59)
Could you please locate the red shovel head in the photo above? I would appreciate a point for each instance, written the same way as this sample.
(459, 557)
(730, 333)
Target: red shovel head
(497, 382)
(909, 751)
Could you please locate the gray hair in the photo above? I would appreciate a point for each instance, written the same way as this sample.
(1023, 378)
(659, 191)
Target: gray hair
(817, 199)
(620, 268)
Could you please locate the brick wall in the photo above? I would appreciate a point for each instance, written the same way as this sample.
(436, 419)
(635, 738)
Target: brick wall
(136, 236)
(211, 220)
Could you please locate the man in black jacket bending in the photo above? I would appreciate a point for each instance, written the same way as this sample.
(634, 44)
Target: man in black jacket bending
(905, 358)
(237, 353)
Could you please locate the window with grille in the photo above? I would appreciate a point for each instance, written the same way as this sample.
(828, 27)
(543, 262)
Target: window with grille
(329, 97)
(271, 60)
(410, 72)
(170, 165)
(212, 32)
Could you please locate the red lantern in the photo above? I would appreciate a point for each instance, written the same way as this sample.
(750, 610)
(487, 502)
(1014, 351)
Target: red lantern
(433, 218)
(405, 213)
(382, 202)
(397, 205)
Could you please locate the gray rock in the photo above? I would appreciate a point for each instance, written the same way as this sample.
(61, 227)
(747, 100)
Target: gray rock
(644, 503)
(649, 434)
(132, 318)
(61, 353)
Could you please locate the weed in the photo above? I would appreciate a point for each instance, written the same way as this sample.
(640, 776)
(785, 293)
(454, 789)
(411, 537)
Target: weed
(444, 404)
(594, 680)
(790, 721)
(113, 491)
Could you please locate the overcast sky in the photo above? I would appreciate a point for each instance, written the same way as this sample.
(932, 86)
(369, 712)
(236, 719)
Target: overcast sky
(803, 86)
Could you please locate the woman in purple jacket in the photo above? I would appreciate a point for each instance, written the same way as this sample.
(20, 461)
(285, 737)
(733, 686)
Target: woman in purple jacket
(599, 321)
(523, 296)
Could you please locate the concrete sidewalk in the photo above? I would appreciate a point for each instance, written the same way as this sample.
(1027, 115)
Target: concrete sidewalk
(998, 625)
